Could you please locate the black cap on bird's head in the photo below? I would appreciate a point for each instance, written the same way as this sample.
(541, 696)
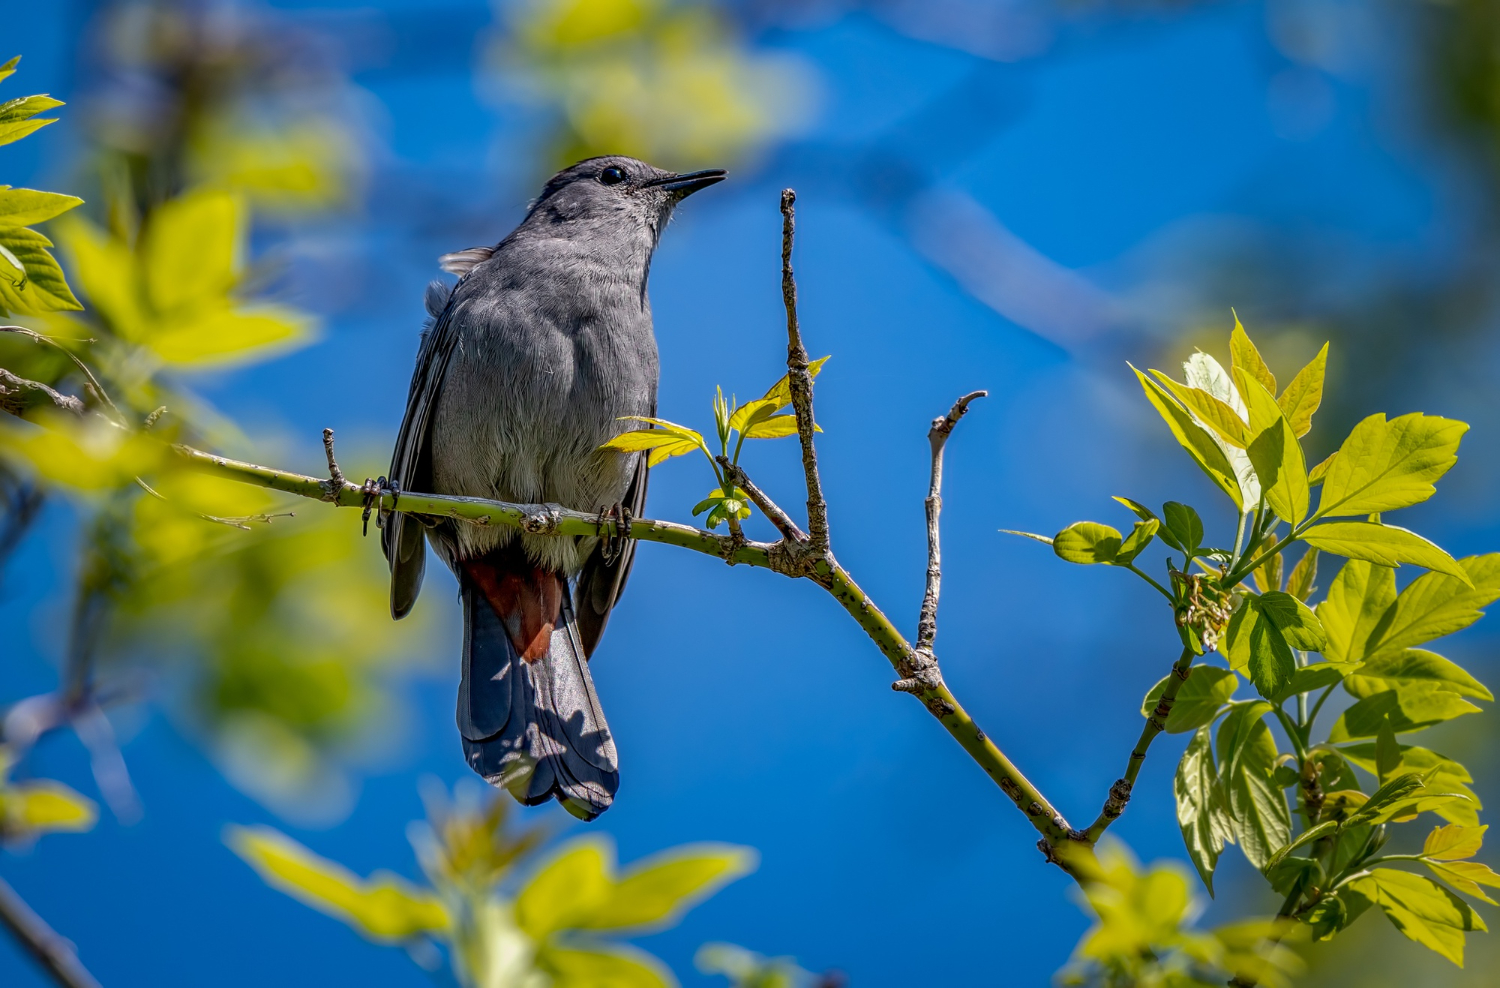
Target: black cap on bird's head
(616, 188)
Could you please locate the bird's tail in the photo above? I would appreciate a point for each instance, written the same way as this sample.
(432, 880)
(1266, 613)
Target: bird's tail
(527, 711)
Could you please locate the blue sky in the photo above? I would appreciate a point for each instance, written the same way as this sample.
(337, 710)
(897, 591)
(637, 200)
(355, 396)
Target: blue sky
(748, 708)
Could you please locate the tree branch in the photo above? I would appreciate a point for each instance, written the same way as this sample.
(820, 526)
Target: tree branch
(937, 438)
(735, 475)
(1119, 793)
(799, 379)
(21, 397)
(53, 952)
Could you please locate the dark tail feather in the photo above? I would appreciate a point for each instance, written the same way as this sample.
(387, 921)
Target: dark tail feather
(534, 728)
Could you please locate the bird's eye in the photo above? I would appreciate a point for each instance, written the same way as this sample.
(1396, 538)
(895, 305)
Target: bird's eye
(613, 175)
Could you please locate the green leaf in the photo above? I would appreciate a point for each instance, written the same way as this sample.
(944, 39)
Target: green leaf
(1309, 678)
(1198, 701)
(1300, 583)
(1275, 453)
(44, 289)
(1453, 842)
(614, 966)
(1389, 795)
(781, 391)
(1258, 647)
(1356, 608)
(574, 882)
(654, 893)
(752, 412)
(43, 806)
(384, 907)
(1193, 438)
(14, 130)
(775, 427)
(1202, 806)
(1247, 762)
(9, 68)
(1442, 774)
(191, 250)
(23, 207)
(1140, 510)
(1303, 396)
(1204, 373)
(1421, 909)
(24, 107)
(1319, 472)
(1386, 545)
(1385, 465)
(1028, 535)
(1316, 832)
(1387, 753)
(1210, 411)
(1245, 357)
(1410, 708)
(1390, 670)
(1435, 605)
(1184, 525)
(1087, 542)
(225, 336)
(1136, 542)
(105, 268)
(1294, 619)
(1467, 876)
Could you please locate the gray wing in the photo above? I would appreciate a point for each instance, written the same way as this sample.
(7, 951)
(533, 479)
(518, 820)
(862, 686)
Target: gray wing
(411, 461)
(601, 583)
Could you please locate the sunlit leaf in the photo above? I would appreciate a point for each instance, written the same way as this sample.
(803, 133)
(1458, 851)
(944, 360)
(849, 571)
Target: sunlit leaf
(1385, 465)
(43, 806)
(1453, 842)
(1319, 472)
(753, 412)
(191, 248)
(43, 289)
(1257, 646)
(1204, 373)
(1467, 876)
(1303, 396)
(1087, 542)
(1184, 525)
(613, 966)
(1434, 605)
(1247, 763)
(1410, 708)
(654, 893)
(1245, 357)
(1412, 666)
(1275, 453)
(781, 391)
(1193, 438)
(775, 427)
(1300, 583)
(1217, 415)
(1355, 608)
(105, 269)
(382, 907)
(574, 882)
(1136, 542)
(1198, 701)
(23, 207)
(1308, 678)
(1386, 545)
(1421, 909)
(1442, 774)
(1202, 807)
(227, 336)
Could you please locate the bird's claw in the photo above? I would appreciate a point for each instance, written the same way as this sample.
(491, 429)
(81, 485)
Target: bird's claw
(373, 491)
(613, 544)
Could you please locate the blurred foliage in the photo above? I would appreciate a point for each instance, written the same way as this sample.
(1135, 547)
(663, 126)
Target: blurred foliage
(34, 807)
(1244, 432)
(227, 95)
(747, 969)
(1143, 936)
(666, 81)
(495, 929)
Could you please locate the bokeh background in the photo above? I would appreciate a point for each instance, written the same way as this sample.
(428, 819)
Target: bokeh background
(1017, 195)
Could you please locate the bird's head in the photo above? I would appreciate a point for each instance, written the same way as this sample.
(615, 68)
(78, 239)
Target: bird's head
(615, 196)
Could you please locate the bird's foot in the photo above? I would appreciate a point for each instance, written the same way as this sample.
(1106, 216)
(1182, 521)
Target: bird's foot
(613, 543)
(373, 491)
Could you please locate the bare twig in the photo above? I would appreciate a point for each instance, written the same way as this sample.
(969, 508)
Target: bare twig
(19, 397)
(1119, 793)
(799, 378)
(54, 953)
(937, 438)
(737, 477)
(100, 395)
(336, 479)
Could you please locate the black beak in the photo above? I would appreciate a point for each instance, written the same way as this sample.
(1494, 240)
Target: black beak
(685, 185)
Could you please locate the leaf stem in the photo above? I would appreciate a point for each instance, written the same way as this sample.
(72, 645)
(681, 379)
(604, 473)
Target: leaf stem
(1145, 576)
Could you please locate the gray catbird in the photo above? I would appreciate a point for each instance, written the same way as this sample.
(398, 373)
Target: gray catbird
(526, 367)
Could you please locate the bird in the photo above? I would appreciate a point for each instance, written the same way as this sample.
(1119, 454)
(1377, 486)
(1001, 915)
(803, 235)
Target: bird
(540, 353)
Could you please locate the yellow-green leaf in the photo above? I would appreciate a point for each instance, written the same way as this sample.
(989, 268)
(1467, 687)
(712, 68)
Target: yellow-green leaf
(23, 207)
(662, 453)
(637, 440)
(1193, 438)
(1355, 608)
(44, 806)
(615, 966)
(1421, 909)
(569, 886)
(1303, 396)
(1300, 583)
(1442, 773)
(1209, 410)
(191, 250)
(1202, 805)
(42, 288)
(1453, 842)
(656, 892)
(752, 412)
(1434, 605)
(774, 427)
(1275, 453)
(1385, 545)
(1407, 708)
(781, 391)
(1087, 542)
(227, 336)
(383, 907)
(1245, 357)
(105, 268)
(1467, 876)
(1198, 701)
(1384, 465)
(1412, 666)
(1318, 473)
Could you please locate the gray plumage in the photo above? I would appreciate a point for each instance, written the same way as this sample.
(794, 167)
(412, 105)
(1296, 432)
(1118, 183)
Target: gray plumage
(525, 370)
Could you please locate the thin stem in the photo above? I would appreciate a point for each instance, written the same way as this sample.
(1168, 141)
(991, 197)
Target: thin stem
(1308, 723)
(937, 438)
(1145, 576)
(1239, 539)
(799, 380)
(735, 475)
(53, 952)
(1292, 732)
(1119, 793)
(1391, 857)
